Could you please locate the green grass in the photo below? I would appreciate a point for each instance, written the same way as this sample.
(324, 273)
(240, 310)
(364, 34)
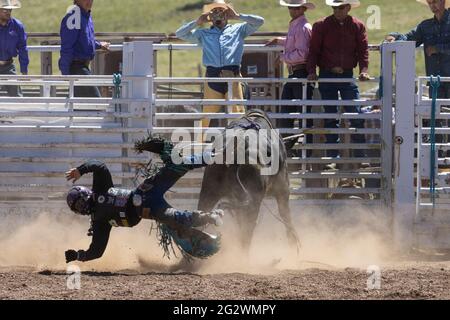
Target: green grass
(167, 16)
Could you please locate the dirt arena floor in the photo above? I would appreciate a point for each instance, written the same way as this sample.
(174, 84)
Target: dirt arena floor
(411, 281)
(333, 263)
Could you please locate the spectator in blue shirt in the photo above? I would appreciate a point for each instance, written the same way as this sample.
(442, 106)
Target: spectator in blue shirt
(223, 47)
(13, 42)
(434, 34)
(78, 45)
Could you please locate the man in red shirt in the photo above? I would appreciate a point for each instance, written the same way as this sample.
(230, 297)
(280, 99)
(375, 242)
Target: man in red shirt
(338, 44)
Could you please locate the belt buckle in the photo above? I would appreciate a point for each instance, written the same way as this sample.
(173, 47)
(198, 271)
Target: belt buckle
(337, 70)
(227, 74)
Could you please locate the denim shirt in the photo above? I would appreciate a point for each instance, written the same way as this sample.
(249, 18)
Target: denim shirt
(432, 32)
(221, 47)
(13, 42)
(77, 43)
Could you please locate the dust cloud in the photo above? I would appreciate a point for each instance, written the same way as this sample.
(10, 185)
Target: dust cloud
(341, 238)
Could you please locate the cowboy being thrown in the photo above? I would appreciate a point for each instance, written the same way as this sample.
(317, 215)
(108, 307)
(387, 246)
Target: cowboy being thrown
(108, 206)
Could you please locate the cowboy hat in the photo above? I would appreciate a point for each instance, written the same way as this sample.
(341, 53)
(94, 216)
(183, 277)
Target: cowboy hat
(297, 3)
(338, 3)
(10, 4)
(447, 2)
(216, 4)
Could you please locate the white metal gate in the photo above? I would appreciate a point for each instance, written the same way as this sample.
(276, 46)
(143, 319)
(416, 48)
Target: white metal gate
(40, 138)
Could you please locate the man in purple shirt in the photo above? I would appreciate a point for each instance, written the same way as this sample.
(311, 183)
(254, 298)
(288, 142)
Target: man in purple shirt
(296, 50)
(78, 45)
(13, 42)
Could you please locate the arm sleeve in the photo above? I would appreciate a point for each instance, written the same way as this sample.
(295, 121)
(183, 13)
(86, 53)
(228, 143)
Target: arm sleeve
(363, 49)
(68, 39)
(315, 48)
(23, 51)
(100, 238)
(188, 32)
(102, 181)
(251, 24)
(97, 45)
(414, 35)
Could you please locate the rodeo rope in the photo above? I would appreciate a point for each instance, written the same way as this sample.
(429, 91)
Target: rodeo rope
(435, 84)
(117, 81)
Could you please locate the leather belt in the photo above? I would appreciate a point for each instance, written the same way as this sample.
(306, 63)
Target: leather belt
(339, 70)
(82, 62)
(296, 67)
(229, 74)
(5, 63)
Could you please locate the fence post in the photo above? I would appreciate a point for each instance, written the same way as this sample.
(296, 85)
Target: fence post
(404, 191)
(138, 61)
(386, 93)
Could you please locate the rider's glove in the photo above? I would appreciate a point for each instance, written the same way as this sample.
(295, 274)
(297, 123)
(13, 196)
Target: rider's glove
(71, 255)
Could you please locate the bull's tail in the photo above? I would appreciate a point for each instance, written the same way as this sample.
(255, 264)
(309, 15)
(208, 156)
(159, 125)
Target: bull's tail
(240, 194)
(241, 191)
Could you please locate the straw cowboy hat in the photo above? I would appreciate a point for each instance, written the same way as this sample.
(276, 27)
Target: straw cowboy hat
(297, 3)
(337, 3)
(447, 2)
(216, 4)
(10, 4)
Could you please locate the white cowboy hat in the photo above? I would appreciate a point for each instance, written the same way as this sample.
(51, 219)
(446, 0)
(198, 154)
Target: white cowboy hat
(447, 2)
(297, 3)
(216, 4)
(337, 3)
(10, 4)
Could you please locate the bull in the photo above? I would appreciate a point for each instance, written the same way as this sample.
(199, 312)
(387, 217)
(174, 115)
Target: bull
(242, 187)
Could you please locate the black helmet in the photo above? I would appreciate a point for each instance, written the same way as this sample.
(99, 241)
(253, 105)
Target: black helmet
(79, 200)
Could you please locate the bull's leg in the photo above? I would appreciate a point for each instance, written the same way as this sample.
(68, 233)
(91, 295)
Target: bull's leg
(282, 198)
(213, 188)
(252, 193)
(247, 218)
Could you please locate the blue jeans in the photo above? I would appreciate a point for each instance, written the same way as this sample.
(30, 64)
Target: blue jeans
(154, 188)
(294, 91)
(348, 91)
